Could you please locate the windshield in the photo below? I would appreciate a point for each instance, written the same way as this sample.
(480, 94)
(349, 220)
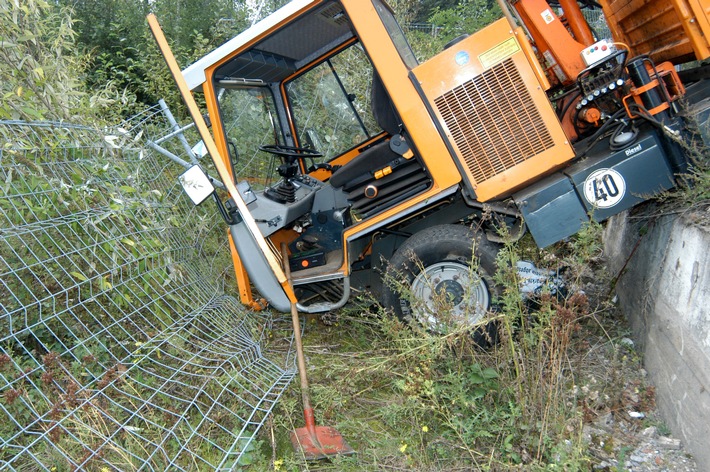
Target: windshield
(331, 103)
(250, 121)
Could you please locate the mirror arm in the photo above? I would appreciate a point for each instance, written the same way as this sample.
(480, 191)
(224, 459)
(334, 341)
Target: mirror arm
(226, 216)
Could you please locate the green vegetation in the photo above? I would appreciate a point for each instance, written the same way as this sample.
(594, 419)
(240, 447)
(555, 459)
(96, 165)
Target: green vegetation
(404, 398)
(40, 72)
(407, 399)
(99, 264)
(694, 197)
(93, 61)
(101, 299)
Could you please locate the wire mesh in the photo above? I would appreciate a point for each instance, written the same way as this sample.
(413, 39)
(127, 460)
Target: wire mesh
(597, 22)
(119, 349)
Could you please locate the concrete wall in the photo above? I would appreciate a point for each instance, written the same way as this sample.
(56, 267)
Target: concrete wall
(664, 289)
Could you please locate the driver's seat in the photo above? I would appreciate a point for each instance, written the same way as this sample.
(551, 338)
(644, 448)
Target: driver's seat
(376, 156)
(386, 173)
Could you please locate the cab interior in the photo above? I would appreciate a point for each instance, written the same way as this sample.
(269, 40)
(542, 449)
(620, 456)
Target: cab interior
(315, 143)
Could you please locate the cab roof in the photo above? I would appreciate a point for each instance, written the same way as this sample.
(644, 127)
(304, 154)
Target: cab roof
(310, 28)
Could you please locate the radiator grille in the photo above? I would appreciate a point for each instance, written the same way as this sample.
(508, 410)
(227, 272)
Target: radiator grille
(493, 121)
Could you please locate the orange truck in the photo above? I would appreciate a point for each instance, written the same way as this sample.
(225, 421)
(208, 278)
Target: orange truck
(338, 144)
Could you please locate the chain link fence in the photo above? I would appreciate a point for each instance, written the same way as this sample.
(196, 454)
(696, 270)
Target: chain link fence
(597, 22)
(119, 349)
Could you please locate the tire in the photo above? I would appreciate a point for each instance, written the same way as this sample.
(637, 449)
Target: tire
(437, 262)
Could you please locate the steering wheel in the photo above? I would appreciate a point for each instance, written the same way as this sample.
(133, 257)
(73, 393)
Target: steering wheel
(290, 151)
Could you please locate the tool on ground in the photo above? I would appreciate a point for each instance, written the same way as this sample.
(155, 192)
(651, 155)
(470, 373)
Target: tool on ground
(315, 442)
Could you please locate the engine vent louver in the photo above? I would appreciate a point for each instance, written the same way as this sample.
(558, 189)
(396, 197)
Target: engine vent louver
(493, 122)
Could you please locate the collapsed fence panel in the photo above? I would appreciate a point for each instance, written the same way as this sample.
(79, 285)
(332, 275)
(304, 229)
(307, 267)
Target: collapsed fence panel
(118, 345)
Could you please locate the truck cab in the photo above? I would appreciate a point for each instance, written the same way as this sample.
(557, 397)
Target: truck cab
(357, 157)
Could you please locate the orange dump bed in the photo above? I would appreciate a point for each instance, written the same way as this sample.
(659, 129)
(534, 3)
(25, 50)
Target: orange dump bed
(667, 30)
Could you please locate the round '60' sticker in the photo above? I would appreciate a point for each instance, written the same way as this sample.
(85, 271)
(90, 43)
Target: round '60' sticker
(604, 188)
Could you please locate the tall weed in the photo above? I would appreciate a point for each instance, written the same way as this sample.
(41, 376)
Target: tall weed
(408, 398)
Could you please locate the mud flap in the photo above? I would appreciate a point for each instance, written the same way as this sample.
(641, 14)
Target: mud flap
(260, 273)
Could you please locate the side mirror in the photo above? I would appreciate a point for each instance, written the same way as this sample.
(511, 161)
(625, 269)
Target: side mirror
(196, 184)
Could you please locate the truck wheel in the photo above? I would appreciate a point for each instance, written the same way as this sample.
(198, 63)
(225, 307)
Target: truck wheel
(432, 270)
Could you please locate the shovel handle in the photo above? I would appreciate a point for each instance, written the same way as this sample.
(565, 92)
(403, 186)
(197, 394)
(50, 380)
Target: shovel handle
(307, 410)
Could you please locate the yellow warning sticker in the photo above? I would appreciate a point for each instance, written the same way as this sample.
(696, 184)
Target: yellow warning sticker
(497, 53)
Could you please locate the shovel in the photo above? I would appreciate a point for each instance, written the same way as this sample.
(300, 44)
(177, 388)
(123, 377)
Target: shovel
(315, 442)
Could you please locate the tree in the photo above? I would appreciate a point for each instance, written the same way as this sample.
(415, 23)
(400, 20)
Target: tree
(114, 35)
(466, 17)
(428, 7)
(109, 24)
(40, 70)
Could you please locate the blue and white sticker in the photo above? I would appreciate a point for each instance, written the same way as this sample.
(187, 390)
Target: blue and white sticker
(462, 58)
(604, 188)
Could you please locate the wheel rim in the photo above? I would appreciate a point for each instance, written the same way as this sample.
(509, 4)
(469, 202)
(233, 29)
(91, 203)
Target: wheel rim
(449, 284)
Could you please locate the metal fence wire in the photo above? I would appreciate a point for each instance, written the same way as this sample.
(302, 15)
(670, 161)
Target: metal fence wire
(119, 349)
(597, 22)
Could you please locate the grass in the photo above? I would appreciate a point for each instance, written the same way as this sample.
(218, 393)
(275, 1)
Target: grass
(406, 399)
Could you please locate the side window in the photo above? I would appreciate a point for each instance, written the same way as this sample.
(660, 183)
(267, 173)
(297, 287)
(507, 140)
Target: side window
(331, 103)
(250, 120)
